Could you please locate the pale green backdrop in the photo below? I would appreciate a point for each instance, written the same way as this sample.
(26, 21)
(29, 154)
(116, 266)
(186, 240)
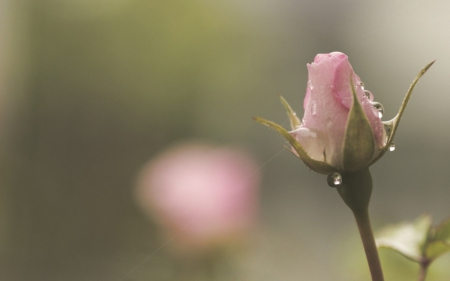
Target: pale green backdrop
(91, 90)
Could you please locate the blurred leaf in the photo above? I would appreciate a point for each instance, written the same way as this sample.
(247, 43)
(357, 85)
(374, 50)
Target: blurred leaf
(436, 249)
(443, 231)
(440, 242)
(408, 239)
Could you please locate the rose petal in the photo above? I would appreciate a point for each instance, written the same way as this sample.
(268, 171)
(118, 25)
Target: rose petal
(327, 103)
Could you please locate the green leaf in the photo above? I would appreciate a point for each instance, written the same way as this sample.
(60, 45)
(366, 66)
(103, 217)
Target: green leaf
(408, 239)
(440, 243)
(295, 121)
(443, 231)
(436, 249)
(318, 166)
(359, 145)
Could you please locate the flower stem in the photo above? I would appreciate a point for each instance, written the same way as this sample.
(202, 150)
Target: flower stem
(423, 270)
(355, 190)
(365, 231)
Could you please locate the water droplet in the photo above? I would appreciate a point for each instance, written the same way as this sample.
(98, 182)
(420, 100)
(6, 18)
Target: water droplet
(362, 85)
(368, 95)
(379, 107)
(388, 130)
(392, 146)
(334, 179)
(314, 108)
(388, 126)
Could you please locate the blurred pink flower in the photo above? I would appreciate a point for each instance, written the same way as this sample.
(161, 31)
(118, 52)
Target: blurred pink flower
(203, 195)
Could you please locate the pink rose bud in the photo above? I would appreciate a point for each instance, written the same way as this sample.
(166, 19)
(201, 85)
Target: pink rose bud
(327, 133)
(203, 195)
(341, 130)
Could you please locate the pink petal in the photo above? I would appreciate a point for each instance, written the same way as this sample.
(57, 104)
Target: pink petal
(327, 103)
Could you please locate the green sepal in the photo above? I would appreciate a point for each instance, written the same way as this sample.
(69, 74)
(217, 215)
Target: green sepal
(295, 121)
(318, 166)
(393, 123)
(408, 239)
(359, 142)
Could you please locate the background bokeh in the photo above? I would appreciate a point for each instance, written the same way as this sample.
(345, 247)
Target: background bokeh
(90, 90)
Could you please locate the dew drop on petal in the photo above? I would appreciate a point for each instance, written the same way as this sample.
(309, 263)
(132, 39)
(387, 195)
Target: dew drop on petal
(314, 108)
(392, 146)
(368, 94)
(362, 85)
(334, 179)
(379, 107)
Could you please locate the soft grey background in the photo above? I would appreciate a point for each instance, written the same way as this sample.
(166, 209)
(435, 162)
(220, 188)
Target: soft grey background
(91, 90)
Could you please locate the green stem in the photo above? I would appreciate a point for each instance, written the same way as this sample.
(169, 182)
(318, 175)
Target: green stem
(365, 231)
(355, 190)
(423, 270)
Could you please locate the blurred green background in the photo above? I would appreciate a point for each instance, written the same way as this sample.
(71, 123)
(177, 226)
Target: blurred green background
(91, 90)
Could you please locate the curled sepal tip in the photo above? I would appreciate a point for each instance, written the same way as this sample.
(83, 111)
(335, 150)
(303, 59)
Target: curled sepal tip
(393, 123)
(295, 121)
(318, 166)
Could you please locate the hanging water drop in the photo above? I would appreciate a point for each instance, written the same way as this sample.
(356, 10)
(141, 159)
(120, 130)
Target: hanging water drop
(362, 85)
(334, 179)
(368, 95)
(379, 107)
(392, 146)
(388, 126)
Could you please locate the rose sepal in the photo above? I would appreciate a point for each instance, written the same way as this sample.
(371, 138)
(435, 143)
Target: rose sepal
(318, 166)
(295, 121)
(392, 125)
(359, 143)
